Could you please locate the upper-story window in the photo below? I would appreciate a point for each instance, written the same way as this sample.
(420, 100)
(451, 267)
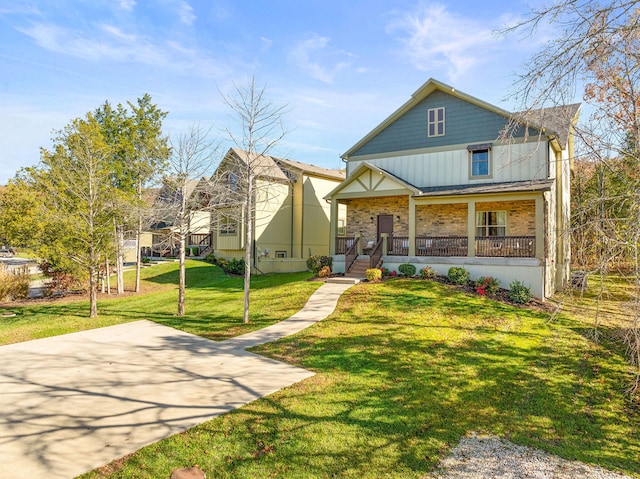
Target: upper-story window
(436, 121)
(479, 161)
(232, 179)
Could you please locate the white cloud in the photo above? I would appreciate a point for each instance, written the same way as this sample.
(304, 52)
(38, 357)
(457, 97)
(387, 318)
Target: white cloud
(127, 5)
(434, 39)
(185, 13)
(307, 55)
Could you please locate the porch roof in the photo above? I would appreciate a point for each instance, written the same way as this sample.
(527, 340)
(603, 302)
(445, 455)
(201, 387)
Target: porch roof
(487, 188)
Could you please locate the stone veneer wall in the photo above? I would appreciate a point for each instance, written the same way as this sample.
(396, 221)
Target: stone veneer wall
(433, 220)
(521, 215)
(441, 220)
(361, 210)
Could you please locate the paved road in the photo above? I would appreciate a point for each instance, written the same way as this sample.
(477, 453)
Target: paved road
(75, 402)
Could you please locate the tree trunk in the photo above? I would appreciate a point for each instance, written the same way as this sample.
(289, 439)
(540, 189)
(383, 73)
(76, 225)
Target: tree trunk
(182, 276)
(93, 284)
(248, 237)
(138, 237)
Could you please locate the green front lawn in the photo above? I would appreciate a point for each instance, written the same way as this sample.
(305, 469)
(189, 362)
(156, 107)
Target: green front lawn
(404, 369)
(213, 304)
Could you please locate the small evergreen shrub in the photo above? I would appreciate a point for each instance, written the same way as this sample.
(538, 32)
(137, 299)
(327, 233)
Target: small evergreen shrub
(316, 262)
(324, 272)
(385, 271)
(428, 273)
(407, 269)
(373, 274)
(210, 258)
(146, 260)
(519, 293)
(223, 263)
(458, 275)
(487, 284)
(236, 266)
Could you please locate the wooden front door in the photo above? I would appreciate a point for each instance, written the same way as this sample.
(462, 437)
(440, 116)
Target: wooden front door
(385, 225)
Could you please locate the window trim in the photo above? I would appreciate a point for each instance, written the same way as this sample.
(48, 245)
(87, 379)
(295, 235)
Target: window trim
(281, 254)
(436, 123)
(480, 215)
(473, 149)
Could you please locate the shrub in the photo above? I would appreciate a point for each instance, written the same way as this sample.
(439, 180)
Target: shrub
(407, 269)
(146, 260)
(14, 284)
(458, 275)
(235, 266)
(223, 263)
(324, 272)
(393, 274)
(385, 271)
(210, 258)
(373, 274)
(487, 284)
(519, 293)
(428, 273)
(317, 262)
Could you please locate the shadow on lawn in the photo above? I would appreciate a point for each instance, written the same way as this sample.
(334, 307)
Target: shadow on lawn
(411, 399)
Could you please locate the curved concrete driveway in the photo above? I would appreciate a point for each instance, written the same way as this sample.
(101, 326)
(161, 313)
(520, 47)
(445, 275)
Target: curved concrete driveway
(71, 403)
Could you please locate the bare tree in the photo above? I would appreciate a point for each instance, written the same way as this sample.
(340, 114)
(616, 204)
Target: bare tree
(261, 128)
(192, 158)
(596, 54)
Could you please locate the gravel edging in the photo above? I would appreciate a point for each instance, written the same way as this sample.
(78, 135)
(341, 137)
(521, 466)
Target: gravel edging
(481, 456)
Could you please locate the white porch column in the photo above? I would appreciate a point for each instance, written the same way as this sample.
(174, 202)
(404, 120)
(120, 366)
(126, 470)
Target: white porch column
(540, 227)
(471, 229)
(333, 226)
(412, 226)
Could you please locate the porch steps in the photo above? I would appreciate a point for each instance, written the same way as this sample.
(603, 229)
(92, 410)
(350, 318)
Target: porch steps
(358, 269)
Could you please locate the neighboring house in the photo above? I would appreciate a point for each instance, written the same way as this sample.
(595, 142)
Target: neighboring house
(162, 237)
(292, 218)
(437, 183)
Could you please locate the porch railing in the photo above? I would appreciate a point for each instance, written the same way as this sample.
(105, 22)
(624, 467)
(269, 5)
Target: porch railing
(376, 254)
(441, 246)
(398, 246)
(343, 243)
(351, 254)
(506, 246)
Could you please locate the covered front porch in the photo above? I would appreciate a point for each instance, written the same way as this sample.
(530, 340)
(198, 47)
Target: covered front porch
(489, 229)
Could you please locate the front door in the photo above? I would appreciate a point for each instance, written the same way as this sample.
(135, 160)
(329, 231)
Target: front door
(385, 225)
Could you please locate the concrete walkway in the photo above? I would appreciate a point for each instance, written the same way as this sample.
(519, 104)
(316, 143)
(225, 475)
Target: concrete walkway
(71, 403)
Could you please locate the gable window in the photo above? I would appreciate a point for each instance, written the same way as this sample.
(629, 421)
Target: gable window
(228, 226)
(435, 121)
(232, 179)
(342, 227)
(480, 161)
(491, 223)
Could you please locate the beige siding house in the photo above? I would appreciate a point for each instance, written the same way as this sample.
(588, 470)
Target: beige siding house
(438, 183)
(292, 217)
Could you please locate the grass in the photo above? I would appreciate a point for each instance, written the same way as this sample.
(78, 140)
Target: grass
(404, 369)
(213, 304)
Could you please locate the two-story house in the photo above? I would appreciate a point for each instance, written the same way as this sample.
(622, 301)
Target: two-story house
(450, 180)
(291, 218)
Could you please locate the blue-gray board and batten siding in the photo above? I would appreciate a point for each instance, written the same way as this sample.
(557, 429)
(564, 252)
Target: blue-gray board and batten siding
(464, 123)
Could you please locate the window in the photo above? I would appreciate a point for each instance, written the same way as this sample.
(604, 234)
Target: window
(491, 223)
(436, 121)
(228, 226)
(281, 254)
(232, 179)
(342, 228)
(480, 157)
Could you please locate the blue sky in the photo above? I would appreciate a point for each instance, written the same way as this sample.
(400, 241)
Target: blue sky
(341, 66)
